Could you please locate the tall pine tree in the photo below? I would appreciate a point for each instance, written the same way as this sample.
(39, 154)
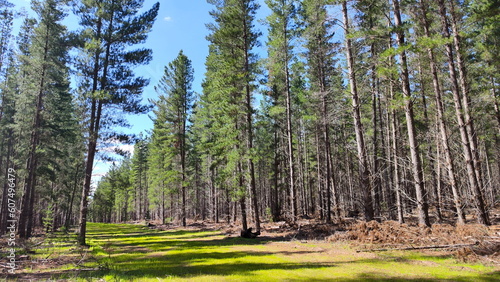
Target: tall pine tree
(173, 107)
(108, 83)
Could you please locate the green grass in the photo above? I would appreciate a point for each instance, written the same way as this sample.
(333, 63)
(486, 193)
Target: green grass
(122, 252)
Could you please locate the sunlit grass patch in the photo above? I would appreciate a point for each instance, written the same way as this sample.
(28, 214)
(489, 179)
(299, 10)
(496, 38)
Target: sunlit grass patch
(121, 252)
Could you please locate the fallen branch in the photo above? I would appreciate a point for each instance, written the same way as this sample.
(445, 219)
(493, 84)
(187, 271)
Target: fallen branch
(83, 258)
(420, 248)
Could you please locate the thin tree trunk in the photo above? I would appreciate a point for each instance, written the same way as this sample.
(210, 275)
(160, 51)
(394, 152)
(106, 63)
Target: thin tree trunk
(422, 205)
(275, 191)
(319, 180)
(395, 135)
(327, 158)
(388, 157)
(482, 216)
(183, 164)
(333, 185)
(464, 86)
(441, 121)
(362, 157)
(496, 105)
(215, 208)
(429, 138)
(251, 166)
(95, 117)
(26, 217)
(397, 174)
(69, 212)
(8, 165)
(291, 162)
(377, 185)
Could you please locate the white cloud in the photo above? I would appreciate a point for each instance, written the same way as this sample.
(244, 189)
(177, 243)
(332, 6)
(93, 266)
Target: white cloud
(127, 148)
(114, 144)
(167, 19)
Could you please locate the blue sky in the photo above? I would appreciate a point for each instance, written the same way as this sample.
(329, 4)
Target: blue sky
(181, 25)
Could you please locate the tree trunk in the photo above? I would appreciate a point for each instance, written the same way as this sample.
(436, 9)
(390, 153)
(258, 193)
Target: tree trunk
(291, 162)
(69, 212)
(496, 104)
(422, 205)
(377, 185)
(362, 157)
(8, 165)
(429, 136)
(395, 155)
(464, 86)
(249, 127)
(183, 163)
(26, 217)
(93, 136)
(441, 121)
(482, 216)
(276, 172)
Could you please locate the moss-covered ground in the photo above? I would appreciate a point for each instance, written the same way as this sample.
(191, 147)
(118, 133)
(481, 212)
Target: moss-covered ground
(120, 252)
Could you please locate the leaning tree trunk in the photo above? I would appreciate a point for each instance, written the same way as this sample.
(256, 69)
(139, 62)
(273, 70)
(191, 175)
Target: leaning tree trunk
(482, 215)
(441, 121)
(464, 86)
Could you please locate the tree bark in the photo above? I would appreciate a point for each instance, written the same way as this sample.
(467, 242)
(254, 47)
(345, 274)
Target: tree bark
(362, 156)
(249, 127)
(443, 131)
(291, 162)
(26, 217)
(422, 205)
(183, 117)
(464, 86)
(482, 216)
(95, 117)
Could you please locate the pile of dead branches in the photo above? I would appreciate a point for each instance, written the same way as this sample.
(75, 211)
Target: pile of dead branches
(468, 242)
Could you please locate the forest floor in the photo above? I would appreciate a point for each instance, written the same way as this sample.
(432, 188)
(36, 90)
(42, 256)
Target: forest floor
(308, 251)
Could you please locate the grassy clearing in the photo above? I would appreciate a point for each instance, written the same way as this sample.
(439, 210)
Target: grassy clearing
(133, 253)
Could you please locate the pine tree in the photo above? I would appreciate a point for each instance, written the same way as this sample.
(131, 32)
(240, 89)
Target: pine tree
(422, 204)
(46, 69)
(320, 53)
(282, 34)
(106, 61)
(360, 140)
(485, 17)
(443, 130)
(173, 107)
(460, 110)
(140, 179)
(7, 101)
(231, 70)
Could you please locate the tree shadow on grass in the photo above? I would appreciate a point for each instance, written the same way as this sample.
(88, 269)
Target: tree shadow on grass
(141, 254)
(187, 253)
(177, 234)
(190, 265)
(174, 268)
(184, 239)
